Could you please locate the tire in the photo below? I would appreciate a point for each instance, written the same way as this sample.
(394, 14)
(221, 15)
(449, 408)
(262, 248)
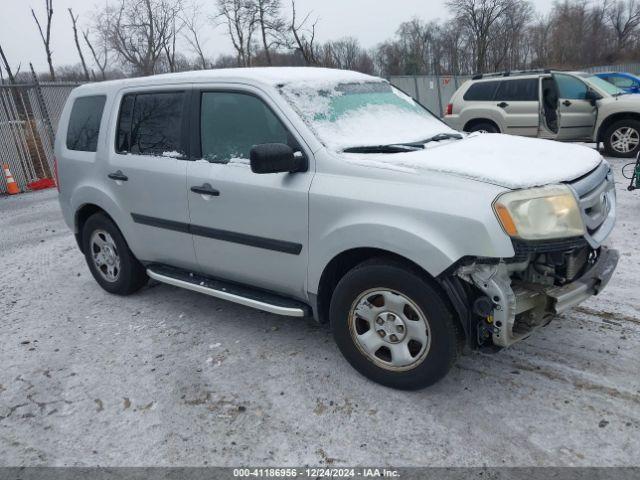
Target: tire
(629, 144)
(486, 127)
(109, 258)
(423, 367)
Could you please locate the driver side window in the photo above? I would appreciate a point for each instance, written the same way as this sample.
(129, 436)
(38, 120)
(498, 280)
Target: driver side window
(232, 123)
(570, 87)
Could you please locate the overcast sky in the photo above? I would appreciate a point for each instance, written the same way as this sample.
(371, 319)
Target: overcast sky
(371, 21)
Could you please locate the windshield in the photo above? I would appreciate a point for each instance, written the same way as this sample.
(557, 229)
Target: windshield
(604, 85)
(346, 115)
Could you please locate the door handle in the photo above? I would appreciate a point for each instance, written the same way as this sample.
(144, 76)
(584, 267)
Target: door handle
(118, 176)
(206, 189)
(566, 103)
(503, 105)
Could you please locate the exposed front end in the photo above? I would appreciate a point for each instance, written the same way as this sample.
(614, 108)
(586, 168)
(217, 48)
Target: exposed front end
(507, 299)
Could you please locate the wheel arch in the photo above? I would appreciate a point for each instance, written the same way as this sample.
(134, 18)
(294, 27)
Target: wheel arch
(87, 201)
(82, 214)
(343, 262)
(611, 119)
(476, 121)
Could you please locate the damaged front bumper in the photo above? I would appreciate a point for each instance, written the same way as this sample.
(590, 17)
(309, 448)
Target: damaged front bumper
(517, 307)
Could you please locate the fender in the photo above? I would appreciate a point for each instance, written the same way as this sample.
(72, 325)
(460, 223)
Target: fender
(430, 248)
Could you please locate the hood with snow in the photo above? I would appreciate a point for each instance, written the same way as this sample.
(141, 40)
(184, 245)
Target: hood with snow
(505, 160)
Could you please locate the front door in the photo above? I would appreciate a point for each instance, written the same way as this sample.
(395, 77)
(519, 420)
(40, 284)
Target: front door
(576, 115)
(249, 228)
(147, 173)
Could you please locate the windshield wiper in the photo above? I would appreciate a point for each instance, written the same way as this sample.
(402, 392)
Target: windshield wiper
(436, 138)
(394, 148)
(403, 147)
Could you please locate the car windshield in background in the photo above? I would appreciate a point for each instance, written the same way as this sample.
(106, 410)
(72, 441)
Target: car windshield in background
(350, 115)
(607, 87)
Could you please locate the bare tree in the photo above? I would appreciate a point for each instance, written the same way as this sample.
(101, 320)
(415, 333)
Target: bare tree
(45, 35)
(624, 18)
(192, 24)
(479, 17)
(74, 22)
(241, 26)
(140, 30)
(268, 14)
(304, 34)
(97, 40)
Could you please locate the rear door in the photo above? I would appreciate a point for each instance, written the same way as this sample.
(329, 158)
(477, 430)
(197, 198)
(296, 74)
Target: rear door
(147, 174)
(519, 100)
(576, 115)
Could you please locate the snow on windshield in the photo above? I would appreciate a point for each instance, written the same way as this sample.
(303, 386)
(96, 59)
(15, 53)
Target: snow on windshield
(346, 115)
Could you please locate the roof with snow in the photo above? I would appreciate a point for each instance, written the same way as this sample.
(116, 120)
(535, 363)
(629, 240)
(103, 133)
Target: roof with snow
(269, 76)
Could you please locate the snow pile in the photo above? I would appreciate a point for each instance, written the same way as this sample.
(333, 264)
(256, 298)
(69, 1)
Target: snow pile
(509, 161)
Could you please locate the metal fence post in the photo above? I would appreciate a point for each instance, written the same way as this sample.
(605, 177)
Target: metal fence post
(43, 107)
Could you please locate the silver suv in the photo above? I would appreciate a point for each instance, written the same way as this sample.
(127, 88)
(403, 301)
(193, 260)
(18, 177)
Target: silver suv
(570, 106)
(331, 194)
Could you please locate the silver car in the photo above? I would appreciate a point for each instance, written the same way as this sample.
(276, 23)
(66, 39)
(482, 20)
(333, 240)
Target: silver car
(570, 106)
(330, 194)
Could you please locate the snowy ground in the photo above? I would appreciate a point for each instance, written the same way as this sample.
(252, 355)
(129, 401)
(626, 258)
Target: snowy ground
(172, 377)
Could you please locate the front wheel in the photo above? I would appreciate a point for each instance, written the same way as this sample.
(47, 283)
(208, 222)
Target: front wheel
(393, 326)
(622, 139)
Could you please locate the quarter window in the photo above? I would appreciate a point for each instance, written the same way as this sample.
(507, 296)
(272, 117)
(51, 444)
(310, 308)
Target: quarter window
(571, 88)
(151, 124)
(84, 123)
(481, 91)
(521, 90)
(231, 124)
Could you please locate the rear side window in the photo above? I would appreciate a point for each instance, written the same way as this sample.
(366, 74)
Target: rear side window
(521, 90)
(481, 91)
(151, 124)
(231, 124)
(84, 123)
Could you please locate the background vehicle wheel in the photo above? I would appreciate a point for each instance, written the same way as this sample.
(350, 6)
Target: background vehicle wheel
(622, 139)
(393, 326)
(111, 262)
(484, 127)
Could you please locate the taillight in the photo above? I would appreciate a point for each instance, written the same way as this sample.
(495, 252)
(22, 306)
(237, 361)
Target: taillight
(450, 109)
(55, 173)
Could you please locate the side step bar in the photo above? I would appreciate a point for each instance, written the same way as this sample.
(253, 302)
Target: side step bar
(250, 297)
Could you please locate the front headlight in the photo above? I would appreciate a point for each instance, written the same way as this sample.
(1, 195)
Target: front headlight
(540, 213)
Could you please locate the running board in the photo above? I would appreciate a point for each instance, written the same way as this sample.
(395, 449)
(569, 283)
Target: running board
(233, 292)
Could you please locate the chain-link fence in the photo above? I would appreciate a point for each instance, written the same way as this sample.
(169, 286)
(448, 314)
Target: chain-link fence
(29, 115)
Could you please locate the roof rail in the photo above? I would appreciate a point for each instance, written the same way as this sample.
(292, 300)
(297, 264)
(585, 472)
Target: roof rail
(510, 73)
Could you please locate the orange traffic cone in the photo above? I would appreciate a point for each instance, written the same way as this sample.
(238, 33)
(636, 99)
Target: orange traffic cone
(12, 186)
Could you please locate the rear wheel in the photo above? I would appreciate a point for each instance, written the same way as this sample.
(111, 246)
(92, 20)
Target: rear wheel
(111, 262)
(622, 139)
(393, 326)
(483, 127)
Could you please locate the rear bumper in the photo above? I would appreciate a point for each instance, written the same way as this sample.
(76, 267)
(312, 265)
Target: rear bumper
(591, 283)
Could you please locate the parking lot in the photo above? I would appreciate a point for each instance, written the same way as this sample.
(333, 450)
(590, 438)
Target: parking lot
(172, 377)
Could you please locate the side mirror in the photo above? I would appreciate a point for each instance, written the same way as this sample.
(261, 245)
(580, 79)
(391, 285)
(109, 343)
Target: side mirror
(592, 96)
(276, 158)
